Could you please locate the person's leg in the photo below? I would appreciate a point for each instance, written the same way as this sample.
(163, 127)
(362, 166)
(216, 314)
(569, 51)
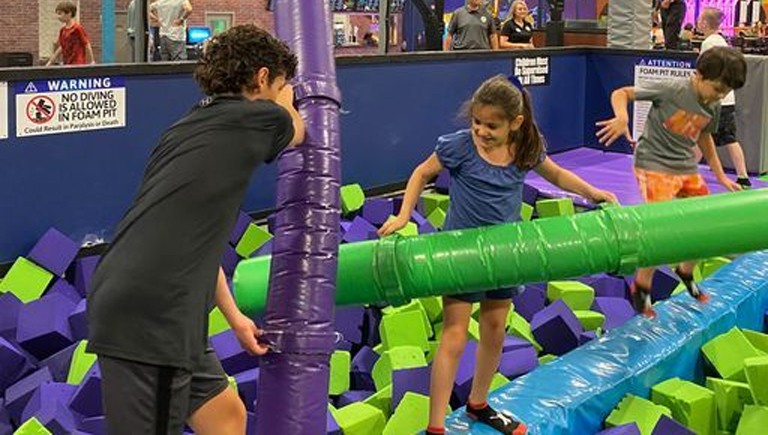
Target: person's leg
(165, 49)
(493, 323)
(456, 314)
(214, 407)
(178, 50)
(693, 185)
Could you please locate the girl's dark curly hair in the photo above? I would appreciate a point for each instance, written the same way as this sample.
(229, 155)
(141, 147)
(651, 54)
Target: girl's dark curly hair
(231, 59)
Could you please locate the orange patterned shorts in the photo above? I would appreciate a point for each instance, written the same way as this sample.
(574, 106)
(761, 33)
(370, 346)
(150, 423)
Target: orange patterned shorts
(658, 186)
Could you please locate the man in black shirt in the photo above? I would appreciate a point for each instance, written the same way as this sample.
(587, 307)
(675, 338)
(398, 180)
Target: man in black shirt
(150, 296)
(672, 16)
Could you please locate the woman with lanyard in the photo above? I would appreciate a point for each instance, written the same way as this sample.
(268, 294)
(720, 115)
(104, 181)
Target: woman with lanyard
(517, 31)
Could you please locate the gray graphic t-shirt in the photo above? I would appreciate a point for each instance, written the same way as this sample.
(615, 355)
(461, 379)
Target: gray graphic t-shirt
(675, 122)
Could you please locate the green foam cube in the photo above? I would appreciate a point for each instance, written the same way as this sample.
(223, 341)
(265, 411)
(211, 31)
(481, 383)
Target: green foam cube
(360, 418)
(352, 198)
(590, 320)
(253, 238)
(707, 267)
(26, 280)
(519, 327)
(216, 322)
(433, 307)
(232, 383)
(757, 339)
(575, 294)
(414, 305)
(692, 405)
(547, 358)
(641, 411)
(526, 212)
(404, 328)
(81, 362)
(754, 420)
(32, 427)
(434, 201)
(756, 370)
(730, 399)
(433, 344)
(341, 363)
(382, 400)
(498, 381)
(410, 417)
(401, 357)
(555, 207)
(437, 218)
(409, 230)
(727, 353)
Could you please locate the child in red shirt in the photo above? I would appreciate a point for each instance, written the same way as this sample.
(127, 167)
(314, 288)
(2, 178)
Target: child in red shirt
(73, 44)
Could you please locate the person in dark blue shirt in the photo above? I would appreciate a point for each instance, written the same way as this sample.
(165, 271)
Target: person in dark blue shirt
(488, 163)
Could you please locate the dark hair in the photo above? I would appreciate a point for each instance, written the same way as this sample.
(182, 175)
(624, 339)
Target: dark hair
(231, 59)
(723, 64)
(499, 92)
(67, 8)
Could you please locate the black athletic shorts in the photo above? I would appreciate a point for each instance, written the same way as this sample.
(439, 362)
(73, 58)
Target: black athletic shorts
(142, 398)
(726, 133)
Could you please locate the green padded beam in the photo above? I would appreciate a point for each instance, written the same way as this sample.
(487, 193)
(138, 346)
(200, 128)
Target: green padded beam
(614, 239)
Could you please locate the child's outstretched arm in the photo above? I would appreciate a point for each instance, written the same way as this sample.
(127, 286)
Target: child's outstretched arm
(427, 170)
(571, 182)
(245, 330)
(618, 126)
(707, 146)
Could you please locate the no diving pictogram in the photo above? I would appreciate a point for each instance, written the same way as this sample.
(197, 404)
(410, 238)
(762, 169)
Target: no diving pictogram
(40, 109)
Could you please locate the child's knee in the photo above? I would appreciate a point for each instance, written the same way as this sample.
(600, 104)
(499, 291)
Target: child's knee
(454, 340)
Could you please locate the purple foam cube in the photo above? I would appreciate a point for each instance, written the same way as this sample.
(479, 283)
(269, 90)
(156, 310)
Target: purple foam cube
(250, 421)
(49, 405)
(513, 343)
(378, 210)
(616, 310)
(18, 394)
(344, 345)
(364, 360)
(607, 286)
(352, 396)
(59, 363)
(464, 375)
(371, 336)
(5, 419)
(9, 307)
(82, 272)
(272, 223)
(14, 362)
(361, 381)
(665, 281)
(530, 301)
(518, 362)
(243, 220)
(443, 181)
(422, 224)
(229, 260)
(556, 328)
(415, 380)
(265, 249)
(86, 400)
(359, 231)
(331, 427)
(94, 425)
(530, 194)
(624, 429)
(668, 426)
(248, 386)
(54, 252)
(765, 322)
(62, 287)
(587, 336)
(348, 321)
(78, 321)
(43, 327)
(233, 358)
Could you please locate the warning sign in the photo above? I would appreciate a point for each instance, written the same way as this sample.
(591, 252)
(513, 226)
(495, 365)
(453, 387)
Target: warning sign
(654, 70)
(3, 110)
(532, 71)
(69, 105)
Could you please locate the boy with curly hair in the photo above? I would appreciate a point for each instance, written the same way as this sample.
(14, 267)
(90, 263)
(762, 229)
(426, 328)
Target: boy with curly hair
(151, 294)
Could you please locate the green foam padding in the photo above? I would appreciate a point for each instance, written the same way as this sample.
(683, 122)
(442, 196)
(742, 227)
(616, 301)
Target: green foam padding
(253, 238)
(577, 295)
(410, 417)
(692, 405)
(638, 410)
(81, 362)
(416, 306)
(519, 327)
(437, 218)
(216, 322)
(498, 381)
(232, 383)
(360, 418)
(409, 230)
(352, 198)
(32, 427)
(555, 207)
(434, 201)
(756, 370)
(705, 268)
(526, 212)
(590, 320)
(433, 307)
(379, 348)
(730, 399)
(754, 420)
(26, 280)
(547, 358)
(727, 353)
(757, 339)
(401, 357)
(405, 328)
(476, 311)
(341, 364)
(433, 344)
(382, 400)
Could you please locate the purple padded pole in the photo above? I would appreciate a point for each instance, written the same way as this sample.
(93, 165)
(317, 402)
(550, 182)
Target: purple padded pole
(298, 322)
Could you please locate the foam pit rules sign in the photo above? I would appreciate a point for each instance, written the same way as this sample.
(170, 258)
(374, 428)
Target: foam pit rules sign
(3, 110)
(69, 105)
(655, 70)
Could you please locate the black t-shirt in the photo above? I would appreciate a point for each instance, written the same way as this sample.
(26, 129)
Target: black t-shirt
(517, 34)
(151, 293)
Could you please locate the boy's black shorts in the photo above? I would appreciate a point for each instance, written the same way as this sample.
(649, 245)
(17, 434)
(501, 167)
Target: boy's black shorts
(726, 133)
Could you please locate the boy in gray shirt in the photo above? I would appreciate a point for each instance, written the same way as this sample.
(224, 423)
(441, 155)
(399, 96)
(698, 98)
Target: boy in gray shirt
(684, 115)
